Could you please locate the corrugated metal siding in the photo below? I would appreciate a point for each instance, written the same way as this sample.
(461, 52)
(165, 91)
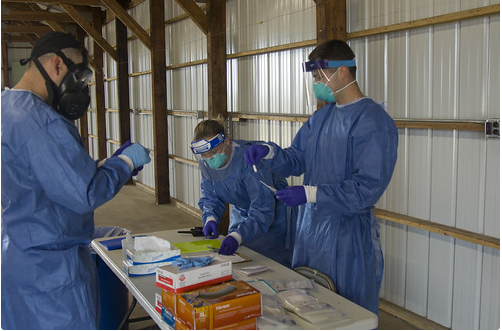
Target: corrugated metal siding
(447, 71)
(442, 72)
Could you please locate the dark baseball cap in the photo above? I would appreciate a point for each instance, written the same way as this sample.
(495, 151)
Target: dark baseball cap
(53, 42)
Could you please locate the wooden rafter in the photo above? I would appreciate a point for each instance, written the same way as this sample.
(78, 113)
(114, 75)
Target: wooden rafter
(57, 2)
(38, 11)
(33, 29)
(90, 30)
(36, 16)
(129, 21)
(195, 13)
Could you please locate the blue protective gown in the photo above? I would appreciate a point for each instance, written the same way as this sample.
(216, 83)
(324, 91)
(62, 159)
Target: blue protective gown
(263, 223)
(349, 153)
(50, 187)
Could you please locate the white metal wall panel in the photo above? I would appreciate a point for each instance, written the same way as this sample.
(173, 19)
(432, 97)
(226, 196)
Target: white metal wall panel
(447, 71)
(492, 189)
(490, 299)
(440, 72)
(440, 284)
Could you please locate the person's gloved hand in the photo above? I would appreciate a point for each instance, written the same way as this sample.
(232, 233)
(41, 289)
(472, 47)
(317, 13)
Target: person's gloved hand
(292, 196)
(121, 148)
(210, 230)
(228, 246)
(138, 154)
(255, 153)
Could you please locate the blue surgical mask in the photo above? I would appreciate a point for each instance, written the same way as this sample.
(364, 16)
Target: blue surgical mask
(216, 160)
(323, 92)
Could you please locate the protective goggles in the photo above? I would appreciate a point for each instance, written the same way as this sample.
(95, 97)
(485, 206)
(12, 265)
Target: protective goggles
(325, 64)
(203, 145)
(81, 72)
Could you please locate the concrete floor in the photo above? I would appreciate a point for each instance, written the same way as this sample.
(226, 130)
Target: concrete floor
(136, 210)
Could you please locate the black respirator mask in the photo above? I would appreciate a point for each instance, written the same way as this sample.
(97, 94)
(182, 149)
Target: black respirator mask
(71, 99)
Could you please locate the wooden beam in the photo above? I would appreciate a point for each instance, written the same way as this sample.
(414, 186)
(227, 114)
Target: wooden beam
(57, 2)
(99, 86)
(5, 65)
(196, 14)
(447, 18)
(445, 230)
(217, 59)
(440, 125)
(331, 20)
(38, 11)
(159, 101)
(36, 16)
(129, 21)
(416, 320)
(33, 29)
(90, 30)
(83, 121)
(17, 39)
(123, 82)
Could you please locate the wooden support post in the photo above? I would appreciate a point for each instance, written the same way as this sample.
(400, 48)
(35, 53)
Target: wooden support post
(159, 101)
(5, 65)
(99, 86)
(331, 20)
(123, 82)
(217, 59)
(217, 72)
(84, 132)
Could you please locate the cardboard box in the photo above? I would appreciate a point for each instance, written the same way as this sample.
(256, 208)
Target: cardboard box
(168, 318)
(249, 324)
(134, 270)
(168, 301)
(218, 306)
(158, 303)
(147, 256)
(176, 281)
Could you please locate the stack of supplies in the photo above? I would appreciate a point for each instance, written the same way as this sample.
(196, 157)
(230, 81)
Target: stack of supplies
(187, 274)
(143, 255)
(228, 306)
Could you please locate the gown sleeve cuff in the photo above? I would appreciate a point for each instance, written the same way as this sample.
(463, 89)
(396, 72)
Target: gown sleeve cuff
(128, 161)
(210, 219)
(270, 152)
(100, 163)
(311, 193)
(236, 237)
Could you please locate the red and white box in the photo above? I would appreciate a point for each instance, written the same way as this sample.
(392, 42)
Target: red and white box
(173, 280)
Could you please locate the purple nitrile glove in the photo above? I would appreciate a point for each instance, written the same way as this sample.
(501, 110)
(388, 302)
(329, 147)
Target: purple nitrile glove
(228, 246)
(210, 228)
(292, 196)
(135, 171)
(255, 153)
(121, 148)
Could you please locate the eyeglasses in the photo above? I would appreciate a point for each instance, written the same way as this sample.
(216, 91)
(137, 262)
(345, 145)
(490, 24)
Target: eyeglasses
(213, 152)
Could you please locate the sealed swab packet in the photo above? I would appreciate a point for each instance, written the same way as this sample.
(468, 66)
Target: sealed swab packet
(274, 316)
(290, 284)
(294, 299)
(322, 315)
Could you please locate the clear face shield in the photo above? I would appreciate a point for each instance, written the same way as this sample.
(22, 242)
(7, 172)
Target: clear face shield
(317, 74)
(210, 150)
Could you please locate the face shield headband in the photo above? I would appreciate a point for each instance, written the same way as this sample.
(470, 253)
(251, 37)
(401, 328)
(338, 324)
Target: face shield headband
(203, 145)
(325, 64)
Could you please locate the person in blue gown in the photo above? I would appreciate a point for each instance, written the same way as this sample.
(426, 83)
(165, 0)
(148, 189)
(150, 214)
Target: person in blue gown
(50, 188)
(257, 219)
(347, 151)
